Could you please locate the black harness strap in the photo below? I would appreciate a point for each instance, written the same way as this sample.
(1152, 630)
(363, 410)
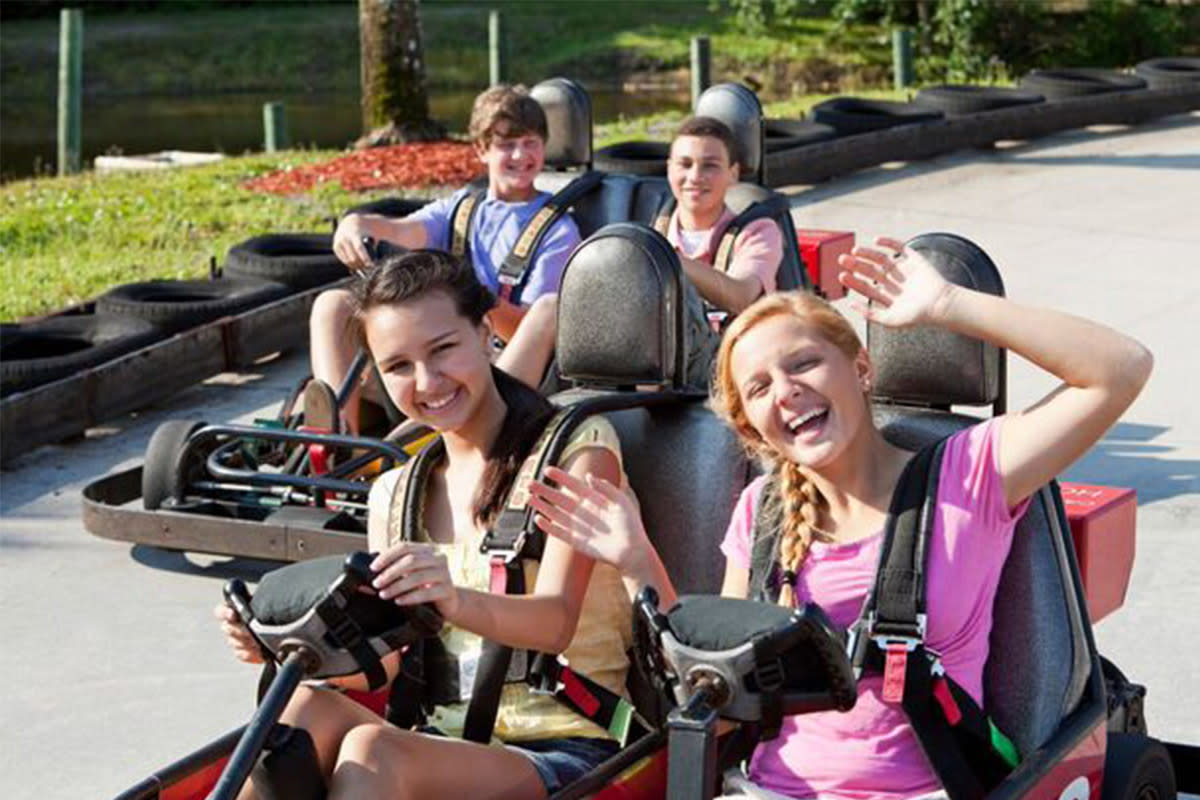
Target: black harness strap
(755, 211)
(964, 747)
(514, 272)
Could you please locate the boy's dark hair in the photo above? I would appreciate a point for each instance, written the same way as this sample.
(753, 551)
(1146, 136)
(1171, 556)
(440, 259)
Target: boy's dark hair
(417, 273)
(505, 110)
(714, 129)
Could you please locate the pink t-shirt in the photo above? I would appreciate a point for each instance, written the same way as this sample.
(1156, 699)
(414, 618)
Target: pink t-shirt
(757, 250)
(871, 751)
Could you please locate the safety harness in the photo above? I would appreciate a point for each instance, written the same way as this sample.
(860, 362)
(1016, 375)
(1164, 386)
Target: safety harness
(511, 544)
(763, 209)
(969, 754)
(514, 271)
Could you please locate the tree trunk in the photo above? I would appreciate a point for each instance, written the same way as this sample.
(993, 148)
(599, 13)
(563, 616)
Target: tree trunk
(395, 99)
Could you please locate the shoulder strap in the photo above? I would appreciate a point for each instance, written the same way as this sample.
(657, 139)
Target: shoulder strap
(662, 218)
(514, 272)
(408, 499)
(461, 221)
(756, 211)
(764, 552)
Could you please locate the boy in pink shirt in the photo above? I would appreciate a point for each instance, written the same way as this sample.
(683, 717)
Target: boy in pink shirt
(702, 167)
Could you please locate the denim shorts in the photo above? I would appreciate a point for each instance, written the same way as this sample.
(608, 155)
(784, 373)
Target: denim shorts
(561, 762)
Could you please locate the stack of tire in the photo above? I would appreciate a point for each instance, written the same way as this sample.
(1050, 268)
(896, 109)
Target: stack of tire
(132, 316)
(940, 119)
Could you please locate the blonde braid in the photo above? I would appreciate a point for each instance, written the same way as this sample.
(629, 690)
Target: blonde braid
(801, 502)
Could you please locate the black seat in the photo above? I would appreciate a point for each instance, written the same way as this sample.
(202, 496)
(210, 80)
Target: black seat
(1039, 664)
(684, 464)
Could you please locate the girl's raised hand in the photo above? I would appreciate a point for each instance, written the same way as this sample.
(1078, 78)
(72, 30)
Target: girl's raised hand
(903, 287)
(410, 573)
(592, 516)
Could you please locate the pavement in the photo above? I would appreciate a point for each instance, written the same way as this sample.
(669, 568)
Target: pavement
(114, 666)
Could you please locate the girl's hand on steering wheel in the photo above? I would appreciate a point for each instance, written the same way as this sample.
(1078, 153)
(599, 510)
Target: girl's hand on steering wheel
(410, 573)
(237, 636)
(903, 287)
(592, 516)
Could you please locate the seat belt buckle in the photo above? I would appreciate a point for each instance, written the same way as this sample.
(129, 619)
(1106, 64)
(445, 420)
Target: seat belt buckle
(895, 668)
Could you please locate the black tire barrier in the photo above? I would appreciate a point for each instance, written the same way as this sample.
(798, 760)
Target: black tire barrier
(162, 477)
(825, 160)
(176, 305)
(1169, 73)
(783, 134)
(1057, 84)
(35, 353)
(956, 100)
(388, 207)
(297, 260)
(633, 158)
(852, 115)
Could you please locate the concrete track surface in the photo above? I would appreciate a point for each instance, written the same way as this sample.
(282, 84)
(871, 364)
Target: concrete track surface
(114, 667)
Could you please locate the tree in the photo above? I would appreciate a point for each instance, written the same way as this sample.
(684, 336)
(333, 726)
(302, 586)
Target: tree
(395, 96)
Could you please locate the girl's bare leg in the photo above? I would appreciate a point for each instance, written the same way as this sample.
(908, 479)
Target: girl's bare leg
(327, 716)
(382, 761)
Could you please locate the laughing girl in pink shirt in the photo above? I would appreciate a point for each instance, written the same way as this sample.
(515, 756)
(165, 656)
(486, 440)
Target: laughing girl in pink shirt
(794, 381)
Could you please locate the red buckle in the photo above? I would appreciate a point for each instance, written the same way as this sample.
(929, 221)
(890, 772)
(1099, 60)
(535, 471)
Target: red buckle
(895, 668)
(941, 693)
(579, 694)
(498, 582)
(318, 458)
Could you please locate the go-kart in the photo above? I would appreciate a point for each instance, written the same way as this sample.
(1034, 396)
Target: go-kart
(1074, 719)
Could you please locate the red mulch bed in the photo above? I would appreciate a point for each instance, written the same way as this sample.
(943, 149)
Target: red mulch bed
(402, 166)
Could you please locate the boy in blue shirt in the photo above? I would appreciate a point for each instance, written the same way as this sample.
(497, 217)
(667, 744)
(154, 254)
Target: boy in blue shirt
(509, 130)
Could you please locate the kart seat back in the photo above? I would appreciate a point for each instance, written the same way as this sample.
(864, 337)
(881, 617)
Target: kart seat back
(568, 109)
(1039, 662)
(620, 327)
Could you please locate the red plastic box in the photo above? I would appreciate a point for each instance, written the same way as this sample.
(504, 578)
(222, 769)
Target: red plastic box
(1104, 526)
(820, 250)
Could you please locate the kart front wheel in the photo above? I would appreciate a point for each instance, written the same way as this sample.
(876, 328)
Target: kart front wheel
(1137, 767)
(162, 476)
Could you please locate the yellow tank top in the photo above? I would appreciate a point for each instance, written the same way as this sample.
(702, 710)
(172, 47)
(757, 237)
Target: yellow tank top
(599, 649)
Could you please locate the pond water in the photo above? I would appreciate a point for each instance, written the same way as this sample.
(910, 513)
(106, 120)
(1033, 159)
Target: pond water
(232, 123)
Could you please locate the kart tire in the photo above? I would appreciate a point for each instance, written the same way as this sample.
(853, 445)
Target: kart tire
(1057, 84)
(388, 207)
(1137, 767)
(176, 305)
(40, 352)
(956, 100)
(161, 479)
(297, 260)
(1169, 73)
(851, 115)
(633, 158)
(784, 134)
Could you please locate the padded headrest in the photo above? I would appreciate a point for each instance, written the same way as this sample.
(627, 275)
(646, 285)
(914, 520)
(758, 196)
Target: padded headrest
(931, 366)
(568, 110)
(739, 109)
(620, 310)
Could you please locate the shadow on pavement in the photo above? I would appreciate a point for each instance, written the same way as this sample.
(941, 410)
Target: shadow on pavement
(1130, 456)
(205, 566)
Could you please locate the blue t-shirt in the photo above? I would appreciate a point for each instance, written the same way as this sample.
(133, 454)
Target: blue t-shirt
(494, 233)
